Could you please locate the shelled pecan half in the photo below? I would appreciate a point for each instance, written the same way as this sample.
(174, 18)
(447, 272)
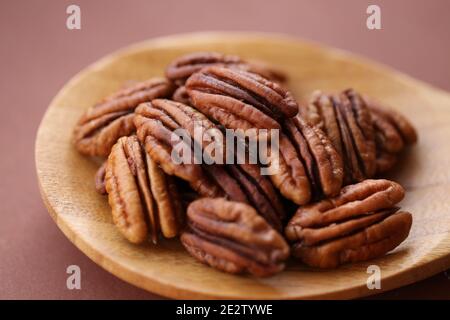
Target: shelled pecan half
(260, 193)
(307, 165)
(240, 100)
(100, 127)
(322, 162)
(141, 196)
(359, 224)
(156, 123)
(346, 120)
(393, 132)
(183, 67)
(232, 237)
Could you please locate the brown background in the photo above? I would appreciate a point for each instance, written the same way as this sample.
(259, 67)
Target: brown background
(38, 55)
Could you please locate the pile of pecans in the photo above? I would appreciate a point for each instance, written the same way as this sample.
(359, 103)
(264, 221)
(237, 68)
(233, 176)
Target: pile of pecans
(321, 205)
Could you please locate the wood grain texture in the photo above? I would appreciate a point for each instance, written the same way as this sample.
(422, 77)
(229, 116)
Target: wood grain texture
(66, 178)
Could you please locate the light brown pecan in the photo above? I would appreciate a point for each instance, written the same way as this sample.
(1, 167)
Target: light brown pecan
(141, 196)
(361, 223)
(100, 127)
(183, 67)
(238, 99)
(232, 237)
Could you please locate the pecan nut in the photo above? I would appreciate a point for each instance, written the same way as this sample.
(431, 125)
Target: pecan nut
(359, 224)
(322, 162)
(238, 99)
(156, 123)
(232, 237)
(287, 172)
(346, 120)
(100, 127)
(260, 193)
(141, 196)
(402, 125)
(307, 165)
(183, 67)
(393, 132)
(385, 161)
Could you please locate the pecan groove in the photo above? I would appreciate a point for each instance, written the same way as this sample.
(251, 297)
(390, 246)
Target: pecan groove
(232, 237)
(141, 196)
(239, 99)
(361, 223)
(347, 122)
(103, 124)
(155, 123)
(393, 133)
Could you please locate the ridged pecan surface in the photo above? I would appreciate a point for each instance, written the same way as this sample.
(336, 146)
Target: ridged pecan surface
(361, 223)
(156, 123)
(141, 196)
(346, 120)
(240, 100)
(100, 126)
(183, 67)
(393, 132)
(232, 237)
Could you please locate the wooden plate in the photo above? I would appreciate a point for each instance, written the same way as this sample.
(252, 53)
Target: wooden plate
(66, 178)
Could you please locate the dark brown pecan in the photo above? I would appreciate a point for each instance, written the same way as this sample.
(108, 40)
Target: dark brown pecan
(361, 223)
(385, 161)
(183, 67)
(393, 133)
(402, 125)
(387, 138)
(322, 162)
(100, 127)
(264, 70)
(244, 183)
(232, 237)
(359, 122)
(346, 120)
(157, 120)
(259, 192)
(156, 123)
(141, 196)
(238, 99)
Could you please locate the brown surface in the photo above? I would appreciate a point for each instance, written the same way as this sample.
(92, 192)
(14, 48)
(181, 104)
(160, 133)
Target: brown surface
(38, 55)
